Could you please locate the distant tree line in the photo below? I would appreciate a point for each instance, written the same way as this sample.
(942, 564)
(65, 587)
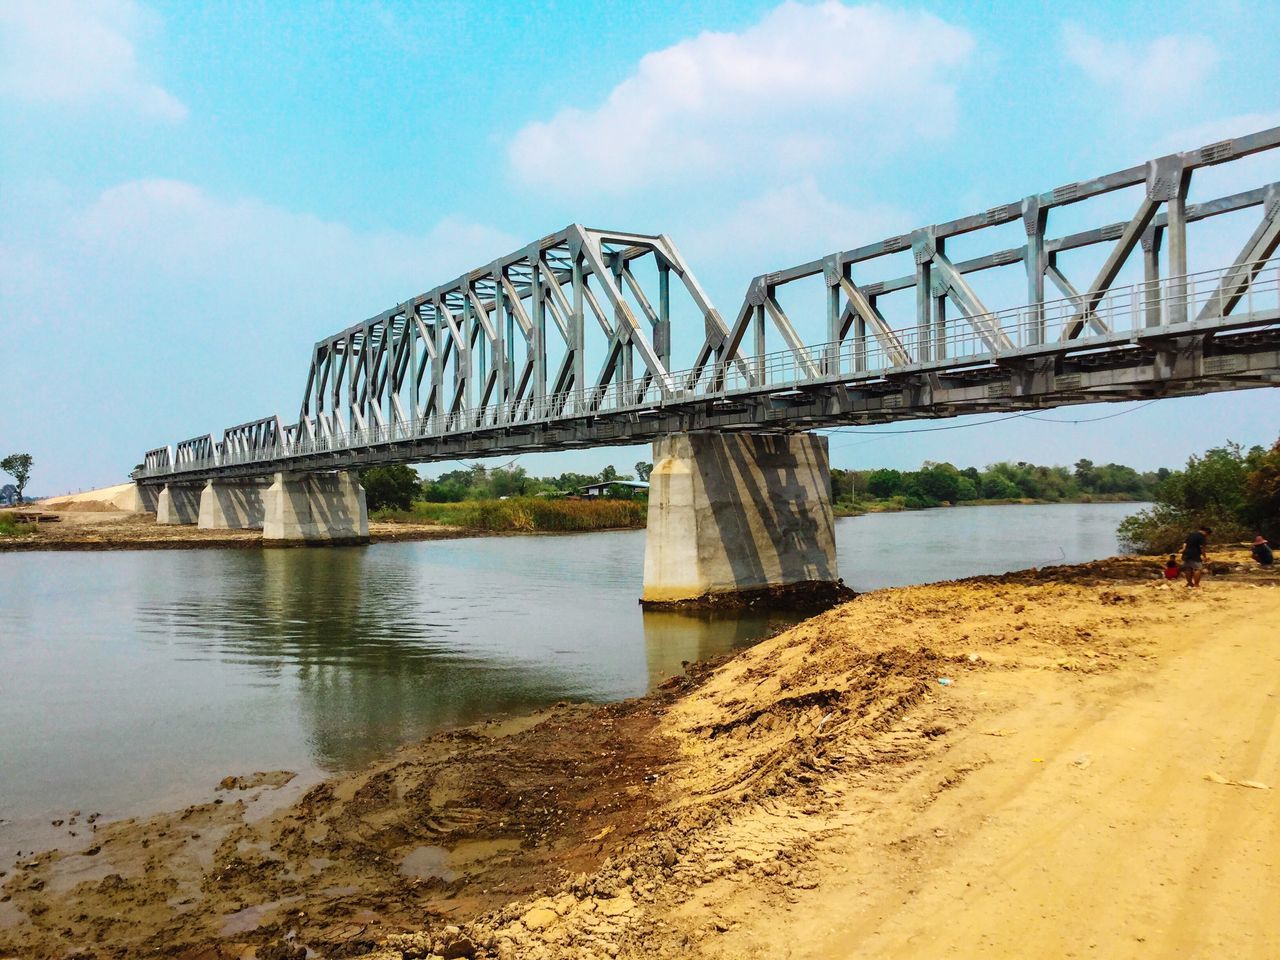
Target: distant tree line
(1232, 490)
(937, 483)
(399, 487)
(934, 484)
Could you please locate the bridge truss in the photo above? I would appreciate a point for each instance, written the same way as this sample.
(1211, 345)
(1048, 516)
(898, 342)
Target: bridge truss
(568, 342)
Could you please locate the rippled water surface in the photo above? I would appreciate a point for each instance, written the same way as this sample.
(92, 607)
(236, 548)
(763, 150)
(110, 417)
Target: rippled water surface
(133, 681)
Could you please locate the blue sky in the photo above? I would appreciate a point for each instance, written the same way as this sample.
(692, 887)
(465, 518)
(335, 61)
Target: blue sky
(192, 195)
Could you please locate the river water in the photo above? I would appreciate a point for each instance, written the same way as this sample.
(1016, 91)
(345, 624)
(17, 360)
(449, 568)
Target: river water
(133, 681)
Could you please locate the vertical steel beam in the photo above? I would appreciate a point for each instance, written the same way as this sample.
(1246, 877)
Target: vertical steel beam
(831, 270)
(757, 325)
(411, 331)
(579, 322)
(1034, 221)
(1151, 242)
(662, 329)
(922, 251)
(860, 335)
(539, 308)
(1173, 180)
(939, 290)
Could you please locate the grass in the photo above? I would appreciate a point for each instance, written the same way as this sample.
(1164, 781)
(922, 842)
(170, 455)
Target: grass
(526, 514)
(9, 527)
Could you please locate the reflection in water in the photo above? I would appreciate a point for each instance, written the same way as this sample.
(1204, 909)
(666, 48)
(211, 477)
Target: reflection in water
(674, 638)
(134, 681)
(379, 653)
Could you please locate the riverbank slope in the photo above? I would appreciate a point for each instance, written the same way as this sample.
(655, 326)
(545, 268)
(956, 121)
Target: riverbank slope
(1091, 777)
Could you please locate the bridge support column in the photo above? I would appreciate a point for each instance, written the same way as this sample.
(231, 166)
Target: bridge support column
(322, 508)
(740, 516)
(233, 505)
(178, 504)
(142, 499)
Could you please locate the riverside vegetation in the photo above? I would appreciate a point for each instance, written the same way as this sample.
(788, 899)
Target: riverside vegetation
(10, 527)
(509, 499)
(1234, 491)
(505, 499)
(938, 484)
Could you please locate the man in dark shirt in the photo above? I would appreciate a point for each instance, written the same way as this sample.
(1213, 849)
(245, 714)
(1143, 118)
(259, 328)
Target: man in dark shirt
(1262, 551)
(1193, 556)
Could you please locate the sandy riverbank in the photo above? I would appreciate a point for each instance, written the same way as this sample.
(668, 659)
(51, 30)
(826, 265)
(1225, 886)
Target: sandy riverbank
(1092, 780)
(117, 530)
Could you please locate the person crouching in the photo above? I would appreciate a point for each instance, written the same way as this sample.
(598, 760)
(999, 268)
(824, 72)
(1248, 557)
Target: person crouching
(1262, 551)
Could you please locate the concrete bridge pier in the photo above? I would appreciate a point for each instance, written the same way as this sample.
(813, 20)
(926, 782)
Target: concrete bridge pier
(321, 508)
(142, 499)
(739, 515)
(178, 503)
(233, 505)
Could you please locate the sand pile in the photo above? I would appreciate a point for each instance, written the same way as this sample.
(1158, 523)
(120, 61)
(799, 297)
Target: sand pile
(121, 497)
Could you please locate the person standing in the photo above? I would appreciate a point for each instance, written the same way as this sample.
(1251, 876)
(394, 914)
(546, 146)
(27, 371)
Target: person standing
(1193, 555)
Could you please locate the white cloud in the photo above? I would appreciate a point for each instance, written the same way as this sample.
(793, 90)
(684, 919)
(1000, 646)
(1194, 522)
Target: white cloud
(79, 52)
(168, 310)
(805, 85)
(1149, 76)
(791, 224)
(1214, 131)
(177, 230)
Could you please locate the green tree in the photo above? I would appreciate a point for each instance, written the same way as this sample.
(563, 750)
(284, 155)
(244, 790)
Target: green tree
(1262, 492)
(569, 482)
(884, 483)
(1086, 476)
(643, 469)
(939, 481)
(609, 474)
(1215, 489)
(996, 486)
(511, 481)
(18, 466)
(843, 487)
(390, 487)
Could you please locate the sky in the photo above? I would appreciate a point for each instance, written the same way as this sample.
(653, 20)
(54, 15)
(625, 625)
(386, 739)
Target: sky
(191, 195)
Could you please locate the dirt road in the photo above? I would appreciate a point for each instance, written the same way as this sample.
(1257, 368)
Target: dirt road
(1071, 817)
(1082, 762)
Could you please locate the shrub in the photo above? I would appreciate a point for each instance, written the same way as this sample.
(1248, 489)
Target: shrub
(1225, 488)
(10, 527)
(527, 514)
(548, 515)
(390, 487)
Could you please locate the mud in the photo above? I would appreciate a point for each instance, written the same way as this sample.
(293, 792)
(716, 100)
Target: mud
(698, 821)
(809, 596)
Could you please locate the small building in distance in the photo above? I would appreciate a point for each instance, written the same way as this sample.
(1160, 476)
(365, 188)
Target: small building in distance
(601, 489)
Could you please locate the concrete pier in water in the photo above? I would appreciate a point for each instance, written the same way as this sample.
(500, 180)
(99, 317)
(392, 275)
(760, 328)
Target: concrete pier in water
(738, 513)
(315, 508)
(178, 503)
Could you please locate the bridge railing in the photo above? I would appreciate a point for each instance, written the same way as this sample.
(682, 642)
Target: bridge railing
(1237, 295)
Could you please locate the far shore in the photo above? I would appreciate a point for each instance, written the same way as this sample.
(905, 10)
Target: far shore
(103, 530)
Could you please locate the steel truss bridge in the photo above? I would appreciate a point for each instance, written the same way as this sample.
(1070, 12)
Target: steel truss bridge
(568, 342)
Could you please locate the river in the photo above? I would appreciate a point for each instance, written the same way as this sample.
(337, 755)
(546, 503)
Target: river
(133, 681)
